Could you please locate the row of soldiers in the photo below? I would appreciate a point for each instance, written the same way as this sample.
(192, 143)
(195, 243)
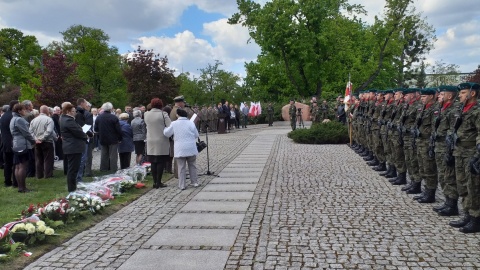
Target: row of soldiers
(432, 134)
(208, 118)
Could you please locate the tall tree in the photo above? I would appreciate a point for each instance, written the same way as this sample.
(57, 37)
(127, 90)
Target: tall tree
(148, 76)
(16, 49)
(59, 81)
(99, 65)
(443, 74)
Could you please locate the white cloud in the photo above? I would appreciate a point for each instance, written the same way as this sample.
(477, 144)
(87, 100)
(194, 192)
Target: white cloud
(225, 7)
(189, 53)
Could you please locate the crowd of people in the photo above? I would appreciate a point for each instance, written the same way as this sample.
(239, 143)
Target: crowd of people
(432, 134)
(31, 140)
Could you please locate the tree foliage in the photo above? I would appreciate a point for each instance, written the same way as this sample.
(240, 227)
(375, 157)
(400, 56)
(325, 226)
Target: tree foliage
(314, 46)
(99, 65)
(59, 81)
(475, 77)
(15, 52)
(148, 76)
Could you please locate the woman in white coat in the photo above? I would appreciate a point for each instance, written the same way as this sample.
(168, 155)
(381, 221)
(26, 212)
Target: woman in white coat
(158, 146)
(185, 135)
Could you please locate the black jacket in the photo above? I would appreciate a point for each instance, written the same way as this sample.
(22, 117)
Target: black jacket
(5, 129)
(107, 126)
(72, 134)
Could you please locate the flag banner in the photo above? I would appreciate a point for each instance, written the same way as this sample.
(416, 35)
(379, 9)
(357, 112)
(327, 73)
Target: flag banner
(348, 94)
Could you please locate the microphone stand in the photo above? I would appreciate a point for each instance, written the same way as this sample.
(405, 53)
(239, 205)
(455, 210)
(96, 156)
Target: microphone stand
(208, 155)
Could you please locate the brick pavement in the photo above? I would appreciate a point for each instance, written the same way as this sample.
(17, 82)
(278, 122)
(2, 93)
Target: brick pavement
(311, 207)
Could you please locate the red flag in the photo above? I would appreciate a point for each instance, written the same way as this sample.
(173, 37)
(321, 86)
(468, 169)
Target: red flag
(348, 94)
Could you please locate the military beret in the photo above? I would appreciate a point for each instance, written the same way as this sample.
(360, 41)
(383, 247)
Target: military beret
(447, 88)
(399, 90)
(410, 90)
(428, 91)
(469, 85)
(371, 91)
(389, 91)
(179, 98)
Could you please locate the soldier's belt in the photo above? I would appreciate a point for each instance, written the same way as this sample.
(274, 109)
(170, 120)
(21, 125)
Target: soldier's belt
(466, 144)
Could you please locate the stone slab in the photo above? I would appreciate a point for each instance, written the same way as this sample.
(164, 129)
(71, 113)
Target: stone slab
(245, 165)
(222, 180)
(205, 219)
(176, 260)
(223, 196)
(215, 206)
(249, 169)
(193, 237)
(230, 187)
(240, 174)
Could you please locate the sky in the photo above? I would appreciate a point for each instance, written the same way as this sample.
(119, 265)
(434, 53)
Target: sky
(195, 33)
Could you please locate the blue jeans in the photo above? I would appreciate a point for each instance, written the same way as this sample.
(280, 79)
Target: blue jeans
(82, 164)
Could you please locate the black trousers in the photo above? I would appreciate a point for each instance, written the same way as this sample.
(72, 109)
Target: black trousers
(125, 159)
(8, 169)
(73, 165)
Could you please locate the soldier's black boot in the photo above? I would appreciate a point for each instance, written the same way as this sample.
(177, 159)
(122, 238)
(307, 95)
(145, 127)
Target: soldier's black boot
(380, 167)
(373, 162)
(370, 157)
(359, 149)
(429, 196)
(389, 170)
(365, 152)
(472, 227)
(461, 222)
(407, 187)
(441, 206)
(422, 194)
(401, 179)
(450, 209)
(392, 173)
(415, 188)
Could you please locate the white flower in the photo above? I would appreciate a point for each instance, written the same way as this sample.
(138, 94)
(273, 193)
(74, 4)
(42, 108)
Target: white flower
(39, 223)
(20, 227)
(41, 228)
(80, 205)
(102, 204)
(73, 197)
(49, 231)
(85, 198)
(30, 228)
(98, 207)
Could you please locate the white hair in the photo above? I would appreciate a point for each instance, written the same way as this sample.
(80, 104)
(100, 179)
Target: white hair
(107, 106)
(137, 113)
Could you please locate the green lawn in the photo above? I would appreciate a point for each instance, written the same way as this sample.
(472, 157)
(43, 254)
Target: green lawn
(12, 203)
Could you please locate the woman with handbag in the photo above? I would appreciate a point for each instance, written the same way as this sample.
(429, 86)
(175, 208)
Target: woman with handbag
(22, 142)
(185, 135)
(158, 146)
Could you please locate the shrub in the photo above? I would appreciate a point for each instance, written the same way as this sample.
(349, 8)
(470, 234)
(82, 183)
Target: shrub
(322, 133)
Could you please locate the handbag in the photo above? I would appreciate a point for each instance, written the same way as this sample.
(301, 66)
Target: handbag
(201, 145)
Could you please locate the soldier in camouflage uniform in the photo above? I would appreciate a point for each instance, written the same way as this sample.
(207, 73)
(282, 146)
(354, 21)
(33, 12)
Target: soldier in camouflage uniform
(292, 112)
(378, 151)
(446, 172)
(315, 113)
(396, 140)
(412, 106)
(324, 110)
(385, 115)
(426, 161)
(204, 117)
(368, 123)
(363, 150)
(466, 138)
(353, 114)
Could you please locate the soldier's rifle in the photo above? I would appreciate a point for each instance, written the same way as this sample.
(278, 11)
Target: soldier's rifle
(401, 127)
(452, 139)
(415, 131)
(390, 121)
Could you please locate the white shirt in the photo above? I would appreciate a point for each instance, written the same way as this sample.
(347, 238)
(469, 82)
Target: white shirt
(185, 137)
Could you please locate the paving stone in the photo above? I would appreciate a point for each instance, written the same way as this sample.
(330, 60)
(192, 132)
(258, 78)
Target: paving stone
(222, 180)
(205, 219)
(193, 237)
(176, 259)
(230, 187)
(215, 206)
(223, 196)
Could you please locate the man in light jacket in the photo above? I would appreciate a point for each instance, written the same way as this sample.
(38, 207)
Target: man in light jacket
(42, 129)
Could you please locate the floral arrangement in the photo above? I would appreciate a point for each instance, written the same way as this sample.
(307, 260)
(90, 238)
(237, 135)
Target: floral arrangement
(86, 202)
(29, 232)
(58, 210)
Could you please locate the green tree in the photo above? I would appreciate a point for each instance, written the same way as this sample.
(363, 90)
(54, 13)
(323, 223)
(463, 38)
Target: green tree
(475, 77)
(16, 49)
(443, 74)
(148, 76)
(99, 65)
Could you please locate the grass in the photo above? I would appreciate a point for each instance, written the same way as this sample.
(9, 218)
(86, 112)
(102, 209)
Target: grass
(12, 203)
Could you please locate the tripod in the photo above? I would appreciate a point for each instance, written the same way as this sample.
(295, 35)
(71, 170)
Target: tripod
(208, 155)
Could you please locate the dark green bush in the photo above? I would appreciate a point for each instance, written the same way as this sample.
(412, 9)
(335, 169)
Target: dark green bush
(323, 133)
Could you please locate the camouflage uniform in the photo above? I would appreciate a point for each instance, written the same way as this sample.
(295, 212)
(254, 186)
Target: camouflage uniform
(292, 111)
(396, 142)
(411, 159)
(385, 115)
